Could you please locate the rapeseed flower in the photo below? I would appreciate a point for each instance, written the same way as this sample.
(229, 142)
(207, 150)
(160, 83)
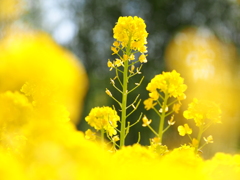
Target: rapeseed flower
(183, 130)
(103, 118)
(169, 83)
(202, 111)
(131, 31)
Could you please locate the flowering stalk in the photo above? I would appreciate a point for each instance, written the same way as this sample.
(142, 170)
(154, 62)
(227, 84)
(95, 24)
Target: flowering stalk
(124, 104)
(204, 114)
(162, 118)
(130, 34)
(161, 88)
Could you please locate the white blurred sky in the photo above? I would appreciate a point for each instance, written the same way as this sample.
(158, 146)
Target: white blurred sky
(57, 20)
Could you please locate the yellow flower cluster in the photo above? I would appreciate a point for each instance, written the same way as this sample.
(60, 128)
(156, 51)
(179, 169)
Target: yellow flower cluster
(103, 118)
(169, 83)
(130, 32)
(202, 111)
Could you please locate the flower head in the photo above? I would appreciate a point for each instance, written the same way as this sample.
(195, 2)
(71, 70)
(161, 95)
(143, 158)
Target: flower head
(169, 83)
(201, 110)
(131, 31)
(103, 118)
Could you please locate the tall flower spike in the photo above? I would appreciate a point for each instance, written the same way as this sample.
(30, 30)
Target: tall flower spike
(131, 31)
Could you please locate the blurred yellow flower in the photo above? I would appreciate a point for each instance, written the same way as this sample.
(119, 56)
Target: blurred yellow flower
(89, 134)
(209, 139)
(185, 129)
(51, 72)
(202, 111)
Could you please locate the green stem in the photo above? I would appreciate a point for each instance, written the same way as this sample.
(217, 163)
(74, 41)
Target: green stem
(124, 104)
(162, 118)
(199, 137)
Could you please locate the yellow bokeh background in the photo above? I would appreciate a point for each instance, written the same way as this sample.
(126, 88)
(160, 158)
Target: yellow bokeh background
(211, 70)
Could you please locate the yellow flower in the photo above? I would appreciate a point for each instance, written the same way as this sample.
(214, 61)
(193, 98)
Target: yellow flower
(183, 130)
(118, 62)
(90, 135)
(110, 65)
(115, 138)
(176, 107)
(154, 95)
(149, 103)
(146, 122)
(142, 58)
(103, 118)
(116, 44)
(209, 139)
(202, 110)
(115, 50)
(131, 31)
(53, 72)
(169, 83)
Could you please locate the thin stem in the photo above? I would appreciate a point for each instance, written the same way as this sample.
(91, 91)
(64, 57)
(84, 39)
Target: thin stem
(136, 85)
(154, 132)
(120, 82)
(162, 118)
(166, 129)
(199, 137)
(124, 104)
(134, 109)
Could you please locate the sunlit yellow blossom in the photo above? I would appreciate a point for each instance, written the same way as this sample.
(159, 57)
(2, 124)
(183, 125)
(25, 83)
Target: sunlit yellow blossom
(161, 109)
(115, 50)
(118, 62)
(195, 142)
(149, 104)
(176, 107)
(169, 83)
(202, 110)
(142, 58)
(183, 130)
(103, 118)
(125, 57)
(110, 65)
(131, 31)
(146, 122)
(115, 138)
(132, 57)
(209, 139)
(116, 44)
(89, 134)
(154, 95)
(171, 122)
